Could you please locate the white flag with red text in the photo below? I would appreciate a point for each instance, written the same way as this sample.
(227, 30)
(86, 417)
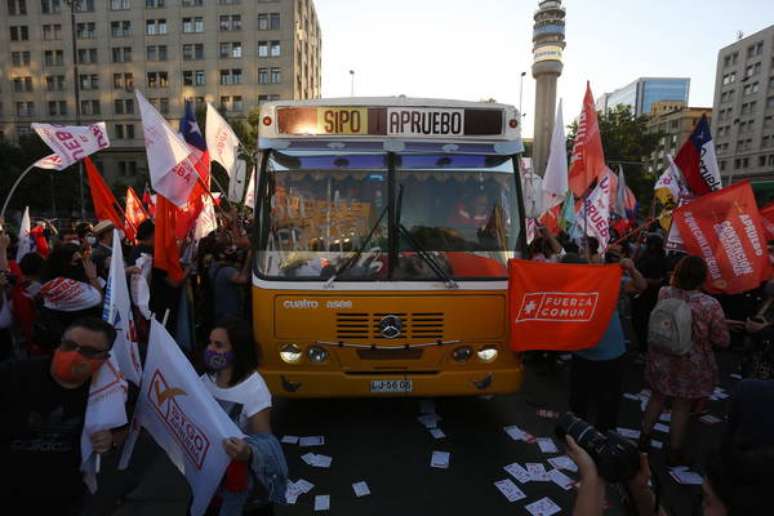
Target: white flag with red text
(70, 143)
(555, 180)
(167, 154)
(595, 212)
(222, 142)
(182, 417)
(26, 242)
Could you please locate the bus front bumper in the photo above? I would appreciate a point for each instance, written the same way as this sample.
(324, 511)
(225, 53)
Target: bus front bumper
(332, 384)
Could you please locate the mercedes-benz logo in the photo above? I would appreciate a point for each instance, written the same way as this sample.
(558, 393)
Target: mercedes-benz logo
(390, 326)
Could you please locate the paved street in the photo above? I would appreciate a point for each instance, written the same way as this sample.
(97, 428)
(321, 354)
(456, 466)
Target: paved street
(381, 442)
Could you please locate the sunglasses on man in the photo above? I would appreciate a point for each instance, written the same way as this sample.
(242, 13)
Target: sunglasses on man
(86, 351)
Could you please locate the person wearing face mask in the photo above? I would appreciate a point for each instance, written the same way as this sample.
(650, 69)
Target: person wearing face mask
(257, 475)
(42, 406)
(102, 249)
(71, 290)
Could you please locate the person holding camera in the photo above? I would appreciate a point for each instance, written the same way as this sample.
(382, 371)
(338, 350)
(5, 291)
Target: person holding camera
(682, 369)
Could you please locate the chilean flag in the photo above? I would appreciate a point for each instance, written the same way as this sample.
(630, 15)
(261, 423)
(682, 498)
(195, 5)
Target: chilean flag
(193, 136)
(698, 162)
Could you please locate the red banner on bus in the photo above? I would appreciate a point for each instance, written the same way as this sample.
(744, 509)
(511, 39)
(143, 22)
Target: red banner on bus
(560, 307)
(724, 228)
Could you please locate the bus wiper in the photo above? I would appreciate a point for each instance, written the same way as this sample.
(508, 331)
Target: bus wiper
(355, 257)
(426, 257)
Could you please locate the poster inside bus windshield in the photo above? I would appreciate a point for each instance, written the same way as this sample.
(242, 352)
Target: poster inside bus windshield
(391, 121)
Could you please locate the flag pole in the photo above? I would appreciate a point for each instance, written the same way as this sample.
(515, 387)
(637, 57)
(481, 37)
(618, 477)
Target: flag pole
(13, 188)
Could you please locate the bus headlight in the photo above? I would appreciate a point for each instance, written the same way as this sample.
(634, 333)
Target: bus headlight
(290, 353)
(488, 354)
(462, 354)
(317, 354)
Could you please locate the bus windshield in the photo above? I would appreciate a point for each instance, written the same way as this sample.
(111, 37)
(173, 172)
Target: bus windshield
(325, 215)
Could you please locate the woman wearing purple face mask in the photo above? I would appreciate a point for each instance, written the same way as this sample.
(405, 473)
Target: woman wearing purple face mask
(231, 360)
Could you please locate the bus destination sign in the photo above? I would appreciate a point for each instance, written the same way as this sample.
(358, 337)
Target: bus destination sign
(407, 122)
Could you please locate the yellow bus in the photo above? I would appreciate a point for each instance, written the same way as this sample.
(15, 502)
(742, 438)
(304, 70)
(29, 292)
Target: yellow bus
(383, 227)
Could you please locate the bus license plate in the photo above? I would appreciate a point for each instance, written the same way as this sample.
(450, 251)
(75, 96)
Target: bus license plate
(389, 386)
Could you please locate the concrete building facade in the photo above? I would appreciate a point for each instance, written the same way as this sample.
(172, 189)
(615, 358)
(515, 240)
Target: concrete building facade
(675, 122)
(232, 53)
(548, 48)
(744, 107)
(640, 94)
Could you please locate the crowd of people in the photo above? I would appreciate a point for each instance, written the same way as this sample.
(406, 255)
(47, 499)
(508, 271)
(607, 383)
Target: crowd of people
(52, 341)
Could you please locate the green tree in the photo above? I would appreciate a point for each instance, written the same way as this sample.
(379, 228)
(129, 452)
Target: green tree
(626, 142)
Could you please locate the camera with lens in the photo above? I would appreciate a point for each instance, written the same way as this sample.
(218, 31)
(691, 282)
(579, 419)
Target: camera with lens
(617, 459)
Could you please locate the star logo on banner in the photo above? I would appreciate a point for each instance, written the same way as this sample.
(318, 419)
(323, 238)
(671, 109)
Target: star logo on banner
(530, 307)
(194, 127)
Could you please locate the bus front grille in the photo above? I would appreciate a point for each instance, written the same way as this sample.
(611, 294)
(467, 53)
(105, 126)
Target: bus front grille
(422, 326)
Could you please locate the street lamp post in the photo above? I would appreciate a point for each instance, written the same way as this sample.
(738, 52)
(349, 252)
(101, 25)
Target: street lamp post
(73, 4)
(352, 83)
(521, 90)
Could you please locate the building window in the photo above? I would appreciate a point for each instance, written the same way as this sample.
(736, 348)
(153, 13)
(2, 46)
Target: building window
(154, 4)
(127, 168)
(85, 6)
(274, 21)
(119, 5)
(20, 58)
(276, 75)
(231, 50)
(55, 82)
(17, 7)
(57, 107)
(122, 54)
(90, 107)
(19, 33)
(123, 81)
(154, 27)
(194, 24)
(275, 49)
(87, 56)
(193, 52)
(768, 122)
(89, 81)
(193, 78)
(157, 79)
(771, 160)
(263, 76)
(230, 77)
(156, 53)
(230, 23)
(86, 30)
(722, 166)
(52, 32)
(229, 2)
(22, 84)
(192, 3)
(50, 6)
(123, 106)
(770, 102)
(121, 29)
(734, 58)
(53, 58)
(231, 103)
(24, 109)
(263, 49)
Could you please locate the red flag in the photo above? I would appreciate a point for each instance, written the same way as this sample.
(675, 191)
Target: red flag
(563, 307)
(550, 219)
(166, 253)
(188, 213)
(134, 214)
(767, 218)
(587, 162)
(148, 201)
(105, 205)
(724, 228)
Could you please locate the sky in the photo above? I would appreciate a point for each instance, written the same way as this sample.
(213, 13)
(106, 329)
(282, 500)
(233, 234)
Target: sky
(477, 49)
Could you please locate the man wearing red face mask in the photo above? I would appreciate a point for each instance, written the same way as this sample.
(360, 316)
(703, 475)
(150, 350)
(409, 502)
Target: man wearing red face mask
(42, 407)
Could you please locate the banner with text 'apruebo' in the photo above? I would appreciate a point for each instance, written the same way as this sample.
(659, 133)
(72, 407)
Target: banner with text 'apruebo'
(724, 228)
(560, 307)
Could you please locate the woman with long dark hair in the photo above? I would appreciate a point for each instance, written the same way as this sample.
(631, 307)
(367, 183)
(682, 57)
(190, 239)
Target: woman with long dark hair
(257, 476)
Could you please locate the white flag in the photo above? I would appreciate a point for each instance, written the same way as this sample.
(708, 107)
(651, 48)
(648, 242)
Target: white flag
(620, 198)
(532, 188)
(222, 143)
(117, 310)
(70, 143)
(206, 222)
(105, 410)
(669, 182)
(26, 243)
(236, 183)
(555, 180)
(595, 213)
(167, 152)
(182, 417)
(250, 195)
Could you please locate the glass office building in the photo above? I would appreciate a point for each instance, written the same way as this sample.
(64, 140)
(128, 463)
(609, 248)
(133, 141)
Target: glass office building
(642, 93)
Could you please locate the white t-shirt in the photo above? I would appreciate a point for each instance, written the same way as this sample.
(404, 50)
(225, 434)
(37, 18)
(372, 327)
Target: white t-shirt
(252, 393)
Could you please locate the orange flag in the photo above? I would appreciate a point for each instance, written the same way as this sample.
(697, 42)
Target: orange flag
(105, 205)
(767, 218)
(134, 214)
(166, 253)
(560, 307)
(587, 162)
